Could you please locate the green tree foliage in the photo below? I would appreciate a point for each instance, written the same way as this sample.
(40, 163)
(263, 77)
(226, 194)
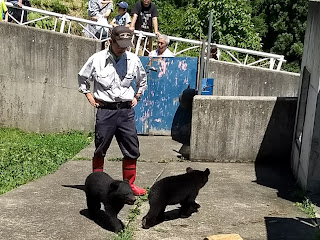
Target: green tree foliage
(281, 25)
(232, 23)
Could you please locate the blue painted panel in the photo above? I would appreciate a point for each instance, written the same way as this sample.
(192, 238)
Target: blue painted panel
(167, 78)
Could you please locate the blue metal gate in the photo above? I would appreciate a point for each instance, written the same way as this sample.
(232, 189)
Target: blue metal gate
(167, 78)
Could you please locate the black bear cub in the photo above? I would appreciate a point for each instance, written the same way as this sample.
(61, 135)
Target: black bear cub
(172, 190)
(101, 188)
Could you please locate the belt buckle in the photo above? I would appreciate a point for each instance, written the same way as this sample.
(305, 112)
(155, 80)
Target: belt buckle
(118, 105)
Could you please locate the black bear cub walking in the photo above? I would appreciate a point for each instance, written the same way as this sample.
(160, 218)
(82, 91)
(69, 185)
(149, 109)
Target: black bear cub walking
(101, 188)
(171, 190)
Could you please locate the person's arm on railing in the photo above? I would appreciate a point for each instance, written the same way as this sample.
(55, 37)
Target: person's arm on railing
(133, 21)
(155, 25)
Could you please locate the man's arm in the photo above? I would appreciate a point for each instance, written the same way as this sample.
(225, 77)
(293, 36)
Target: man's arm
(133, 21)
(83, 80)
(141, 79)
(155, 25)
(6, 16)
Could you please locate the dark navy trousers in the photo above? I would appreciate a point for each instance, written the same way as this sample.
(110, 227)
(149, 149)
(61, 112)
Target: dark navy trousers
(119, 123)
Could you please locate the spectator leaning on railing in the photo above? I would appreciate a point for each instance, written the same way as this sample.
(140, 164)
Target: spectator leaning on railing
(123, 18)
(17, 13)
(98, 10)
(145, 17)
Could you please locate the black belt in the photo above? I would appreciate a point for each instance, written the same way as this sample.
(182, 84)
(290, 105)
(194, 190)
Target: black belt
(115, 105)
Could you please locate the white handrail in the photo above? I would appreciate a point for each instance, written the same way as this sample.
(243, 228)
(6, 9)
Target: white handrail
(270, 58)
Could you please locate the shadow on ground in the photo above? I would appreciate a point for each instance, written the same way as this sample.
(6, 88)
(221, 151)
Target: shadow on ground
(101, 219)
(171, 215)
(291, 228)
(80, 187)
(278, 177)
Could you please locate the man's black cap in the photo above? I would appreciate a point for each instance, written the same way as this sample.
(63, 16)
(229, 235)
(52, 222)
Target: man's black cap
(122, 35)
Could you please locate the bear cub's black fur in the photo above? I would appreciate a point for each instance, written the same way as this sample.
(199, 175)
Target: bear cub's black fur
(172, 190)
(101, 188)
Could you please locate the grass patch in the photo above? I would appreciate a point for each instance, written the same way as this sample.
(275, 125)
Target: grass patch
(307, 207)
(119, 159)
(181, 159)
(127, 232)
(81, 159)
(27, 156)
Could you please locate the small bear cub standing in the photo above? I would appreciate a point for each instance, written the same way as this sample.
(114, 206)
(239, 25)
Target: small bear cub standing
(101, 188)
(172, 190)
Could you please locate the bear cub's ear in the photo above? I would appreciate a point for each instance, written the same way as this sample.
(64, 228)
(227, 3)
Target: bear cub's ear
(114, 186)
(207, 171)
(189, 169)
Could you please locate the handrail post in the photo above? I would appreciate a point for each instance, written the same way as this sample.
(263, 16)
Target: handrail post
(209, 44)
(138, 43)
(201, 67)
(280, 64)
(272, 61)
(63, 22)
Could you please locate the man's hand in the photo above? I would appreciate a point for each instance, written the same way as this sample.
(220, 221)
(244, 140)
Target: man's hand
(91, 100)
(135, 100)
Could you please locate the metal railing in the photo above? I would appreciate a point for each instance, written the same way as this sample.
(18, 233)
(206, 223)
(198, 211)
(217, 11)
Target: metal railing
(64, 23)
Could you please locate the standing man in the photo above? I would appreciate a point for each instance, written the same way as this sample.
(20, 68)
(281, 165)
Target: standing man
(112, 71)
(145, 16)
(162, 49)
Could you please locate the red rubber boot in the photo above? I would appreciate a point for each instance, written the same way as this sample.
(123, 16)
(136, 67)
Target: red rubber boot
(129, 173)
(97, 164)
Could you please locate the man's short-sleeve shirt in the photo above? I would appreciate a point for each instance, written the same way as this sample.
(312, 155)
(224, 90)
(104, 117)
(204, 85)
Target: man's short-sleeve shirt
(145, 15)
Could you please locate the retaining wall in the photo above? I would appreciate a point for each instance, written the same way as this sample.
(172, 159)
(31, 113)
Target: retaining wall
(38, 78)
(242, 128)
(237, 80)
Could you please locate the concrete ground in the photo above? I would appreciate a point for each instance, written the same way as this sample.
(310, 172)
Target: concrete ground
(256, 202)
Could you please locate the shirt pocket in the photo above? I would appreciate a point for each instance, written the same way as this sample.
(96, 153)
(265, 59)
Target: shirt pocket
(106, 77)
(126, 81)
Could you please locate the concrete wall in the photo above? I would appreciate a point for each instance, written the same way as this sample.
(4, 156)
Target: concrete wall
(38, 78)
(306, 145)
(236, 80)
(242, 129)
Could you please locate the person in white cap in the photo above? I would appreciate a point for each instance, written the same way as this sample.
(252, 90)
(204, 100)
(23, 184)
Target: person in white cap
(113, 72)
(123, 18)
